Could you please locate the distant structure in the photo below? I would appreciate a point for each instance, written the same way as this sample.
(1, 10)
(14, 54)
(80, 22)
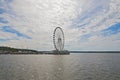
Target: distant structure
(59, 40)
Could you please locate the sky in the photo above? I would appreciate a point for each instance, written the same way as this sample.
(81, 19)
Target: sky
(87, 24)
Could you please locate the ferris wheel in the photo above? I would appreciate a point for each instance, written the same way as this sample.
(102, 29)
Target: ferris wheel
(58, 39)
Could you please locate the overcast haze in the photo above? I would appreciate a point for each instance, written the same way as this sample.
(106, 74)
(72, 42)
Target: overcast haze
(87, 24)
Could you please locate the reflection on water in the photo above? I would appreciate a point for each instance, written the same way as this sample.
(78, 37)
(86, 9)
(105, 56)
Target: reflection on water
(60, 67)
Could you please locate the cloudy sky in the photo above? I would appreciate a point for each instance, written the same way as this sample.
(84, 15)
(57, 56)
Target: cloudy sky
(87, 24)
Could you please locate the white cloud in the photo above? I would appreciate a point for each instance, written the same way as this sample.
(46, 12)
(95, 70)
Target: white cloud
(38, 18)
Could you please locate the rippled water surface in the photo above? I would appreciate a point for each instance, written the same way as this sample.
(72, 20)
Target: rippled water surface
(84, 66)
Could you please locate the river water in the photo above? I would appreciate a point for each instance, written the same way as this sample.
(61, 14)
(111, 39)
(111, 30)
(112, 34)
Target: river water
(83, 66)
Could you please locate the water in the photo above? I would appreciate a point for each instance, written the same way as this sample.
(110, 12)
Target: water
(84, 66)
